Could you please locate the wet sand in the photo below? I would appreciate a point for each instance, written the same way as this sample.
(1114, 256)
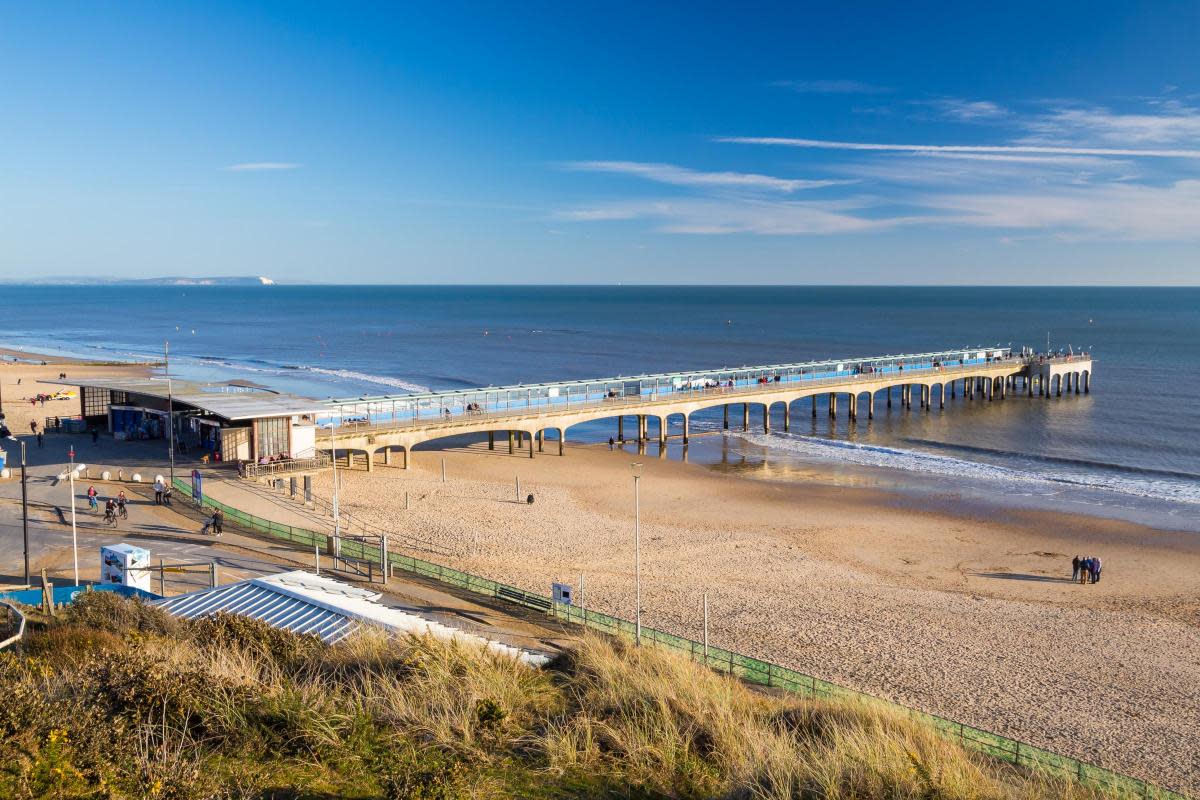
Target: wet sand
(965, 611)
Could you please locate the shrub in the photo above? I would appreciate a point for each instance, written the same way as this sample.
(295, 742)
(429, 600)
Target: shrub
(109, 611)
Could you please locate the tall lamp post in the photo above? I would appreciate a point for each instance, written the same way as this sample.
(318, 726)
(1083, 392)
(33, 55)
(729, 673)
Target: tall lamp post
(637, 552)
(170, 412)
(24, 508)
(74, 536)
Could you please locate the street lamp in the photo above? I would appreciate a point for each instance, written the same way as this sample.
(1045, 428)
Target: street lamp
(637, 552)
(24, 508)
(71, 472)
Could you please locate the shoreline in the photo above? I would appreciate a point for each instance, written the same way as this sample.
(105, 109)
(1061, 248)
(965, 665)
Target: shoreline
(963, 614)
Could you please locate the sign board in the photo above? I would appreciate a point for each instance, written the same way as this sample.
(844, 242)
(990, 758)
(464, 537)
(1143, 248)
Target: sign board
(197, 489)
(561, 593)
(125, 565)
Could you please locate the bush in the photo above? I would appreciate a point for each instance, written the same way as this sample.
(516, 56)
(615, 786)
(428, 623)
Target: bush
(109, 611)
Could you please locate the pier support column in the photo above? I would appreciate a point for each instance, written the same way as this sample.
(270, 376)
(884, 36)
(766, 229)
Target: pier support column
(621, 429)
(541, 437)
(643, 428)
(787, 417)
(814, 404)
(832, 405)
(562, 441)
(370, 461)
(1087, 382)
(726, 417)
(531, 445)
(924, 397)
(1029, 385)
(871, 406)
(404, 452)
(662, 431)
(1058, 392)
(889, 397)
(685, 427)
(766, 417)
(1076, 382)
(491, 440)
(511, 445)
(745, 416)
(387, 456)
(853, 409)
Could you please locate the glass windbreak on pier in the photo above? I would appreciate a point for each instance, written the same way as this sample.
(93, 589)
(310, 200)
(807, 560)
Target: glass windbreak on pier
(532, 398)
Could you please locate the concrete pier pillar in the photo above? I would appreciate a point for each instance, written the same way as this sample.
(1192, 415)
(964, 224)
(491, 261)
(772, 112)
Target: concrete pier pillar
(745, 416)
(370, 461)
(621, 429)
(942, 396)
(726, 416)
(766, 417)
(491, 440)
(387, 456)
(541, 437)
(832, 405)
(1029, 385)
(924, 397)
(814, 404)
(404, 452)
(662, 431)
(1087, 382)
(531, 445)
(511, 444)
(1076, 382)
(562, 441)
(871, 406)
(853, 409)
(952, 389)
(889, 397)
(787, 417)
(1058, 391)
(685, 427)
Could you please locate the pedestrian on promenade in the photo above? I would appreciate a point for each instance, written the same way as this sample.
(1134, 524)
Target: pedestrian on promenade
(158, 492)
(95, 436)
(1075, 568)
(218, 521)
(33, 426)
(91, 493)
(41, 437)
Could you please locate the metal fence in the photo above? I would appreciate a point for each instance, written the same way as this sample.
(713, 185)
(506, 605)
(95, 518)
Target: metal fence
(753, 670)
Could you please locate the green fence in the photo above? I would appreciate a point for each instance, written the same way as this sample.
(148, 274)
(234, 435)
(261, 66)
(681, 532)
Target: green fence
(746, 668)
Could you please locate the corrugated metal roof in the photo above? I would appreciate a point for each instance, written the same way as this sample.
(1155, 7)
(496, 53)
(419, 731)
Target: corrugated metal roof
(301, 602)
(232, 401)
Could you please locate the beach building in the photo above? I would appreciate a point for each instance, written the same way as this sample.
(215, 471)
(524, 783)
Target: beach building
(227, 421)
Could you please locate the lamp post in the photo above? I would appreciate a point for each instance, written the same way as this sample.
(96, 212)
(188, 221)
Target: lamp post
(337, 521)
(24, 509)
(74, 535)
(170, 411)
(637, 552)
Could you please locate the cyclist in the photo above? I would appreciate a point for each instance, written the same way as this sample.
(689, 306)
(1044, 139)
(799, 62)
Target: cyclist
(121, 500)
(110, 511)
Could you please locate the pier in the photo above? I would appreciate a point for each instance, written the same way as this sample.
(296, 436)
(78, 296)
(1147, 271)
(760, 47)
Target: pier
(529, 418)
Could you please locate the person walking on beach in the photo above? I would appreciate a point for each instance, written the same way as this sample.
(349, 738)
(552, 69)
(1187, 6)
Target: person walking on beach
(1096, 565)
(1083, 570)
(33, 426)
(158, 492)
(1075, 569)
(611, 442)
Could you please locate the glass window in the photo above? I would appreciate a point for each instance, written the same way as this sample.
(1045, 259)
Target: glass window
(273, 436)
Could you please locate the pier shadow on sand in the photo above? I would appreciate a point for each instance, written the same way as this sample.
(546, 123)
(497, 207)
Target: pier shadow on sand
(1020, 576)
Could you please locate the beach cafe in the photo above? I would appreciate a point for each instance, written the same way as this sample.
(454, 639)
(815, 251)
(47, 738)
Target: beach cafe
(225, 421)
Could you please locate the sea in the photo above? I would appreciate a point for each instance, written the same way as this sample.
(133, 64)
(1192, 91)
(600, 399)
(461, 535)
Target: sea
(1130, 449)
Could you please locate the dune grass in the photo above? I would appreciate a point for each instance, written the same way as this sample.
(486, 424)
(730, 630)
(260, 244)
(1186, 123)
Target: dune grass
(118, 700)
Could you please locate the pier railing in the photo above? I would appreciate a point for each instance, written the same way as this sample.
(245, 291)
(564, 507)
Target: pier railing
(543, 407)
(251, 469)
(752, 670)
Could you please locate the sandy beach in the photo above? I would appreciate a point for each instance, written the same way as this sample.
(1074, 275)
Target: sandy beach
(967, 612)
(24, 375)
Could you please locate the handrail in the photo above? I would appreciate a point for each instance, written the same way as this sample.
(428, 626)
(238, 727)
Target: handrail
(252, 469)
(16, 637)
(675, 396)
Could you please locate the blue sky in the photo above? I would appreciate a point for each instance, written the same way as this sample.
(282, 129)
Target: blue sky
(601, 143)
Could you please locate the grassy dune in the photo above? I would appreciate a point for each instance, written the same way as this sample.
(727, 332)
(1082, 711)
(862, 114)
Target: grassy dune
(117, 700)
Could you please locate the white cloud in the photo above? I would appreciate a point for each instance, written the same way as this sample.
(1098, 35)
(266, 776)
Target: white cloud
(825, 144)
(262, 166)
(1177, 124)
(970, 110)
(831, 87)
(1113, 211)
(682, 176)
(695, 216)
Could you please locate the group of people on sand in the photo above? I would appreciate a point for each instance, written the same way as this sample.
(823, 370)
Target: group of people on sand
(1086, 569)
